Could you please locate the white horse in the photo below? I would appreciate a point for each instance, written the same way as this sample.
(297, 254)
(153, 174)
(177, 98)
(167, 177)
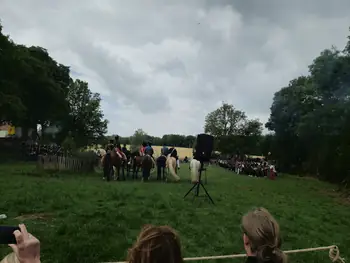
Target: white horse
(171, 164)
(100, 152)
(195, 166)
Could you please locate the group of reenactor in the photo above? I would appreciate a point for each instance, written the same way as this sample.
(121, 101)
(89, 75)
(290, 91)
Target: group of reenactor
(35, 149)
(250, 167)
(145, 148)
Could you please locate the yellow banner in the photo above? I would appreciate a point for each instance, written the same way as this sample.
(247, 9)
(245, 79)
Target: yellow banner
(11, 130)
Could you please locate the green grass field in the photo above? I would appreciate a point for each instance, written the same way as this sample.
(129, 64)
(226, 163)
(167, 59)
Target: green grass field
(84, 219)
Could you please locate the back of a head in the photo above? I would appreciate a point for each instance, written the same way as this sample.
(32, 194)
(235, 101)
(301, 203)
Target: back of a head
(263, 233)
(156, 244)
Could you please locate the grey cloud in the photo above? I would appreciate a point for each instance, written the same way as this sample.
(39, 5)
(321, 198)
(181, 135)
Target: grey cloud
(120, 79)
(174, 67)
(286, 12)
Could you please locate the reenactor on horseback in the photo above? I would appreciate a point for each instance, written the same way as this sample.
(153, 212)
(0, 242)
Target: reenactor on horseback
(142, 148)
(117, 148)
(110, 146)
(164, 150)
(116, 140)
(149, 150)
(119, 151)
(124, 149)
(173, 152)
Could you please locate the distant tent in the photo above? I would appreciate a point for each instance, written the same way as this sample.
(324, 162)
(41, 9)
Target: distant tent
(254, 156)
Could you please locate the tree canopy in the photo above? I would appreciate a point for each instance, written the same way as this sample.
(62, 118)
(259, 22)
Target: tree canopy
(310, 118)
(233, 131)
(37, 90)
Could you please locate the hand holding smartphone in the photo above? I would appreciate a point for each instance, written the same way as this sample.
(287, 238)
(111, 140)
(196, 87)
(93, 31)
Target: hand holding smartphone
(7, 236)
(25, 246)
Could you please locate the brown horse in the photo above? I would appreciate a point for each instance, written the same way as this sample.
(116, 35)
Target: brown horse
(110, 160)
(146, 163)
(136, 165)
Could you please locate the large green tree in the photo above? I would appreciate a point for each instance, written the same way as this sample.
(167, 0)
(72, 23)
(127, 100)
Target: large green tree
(85, 120)
(224, 121)
(311, 118)
(11, 104)
(232, 130)
(33, 86)
(44, 85)
(37, 90)
(137, 138)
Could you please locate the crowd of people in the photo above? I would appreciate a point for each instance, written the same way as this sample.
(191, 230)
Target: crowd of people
(160, 244)
(254, 167)
(34, 149)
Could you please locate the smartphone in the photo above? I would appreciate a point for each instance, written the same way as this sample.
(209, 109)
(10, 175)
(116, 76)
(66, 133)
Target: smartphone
(6, 234)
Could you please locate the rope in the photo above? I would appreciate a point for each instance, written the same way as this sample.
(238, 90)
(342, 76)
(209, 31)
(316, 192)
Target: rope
(334, 255)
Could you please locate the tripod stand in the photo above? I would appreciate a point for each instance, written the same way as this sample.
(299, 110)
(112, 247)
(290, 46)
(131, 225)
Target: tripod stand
(199, 184)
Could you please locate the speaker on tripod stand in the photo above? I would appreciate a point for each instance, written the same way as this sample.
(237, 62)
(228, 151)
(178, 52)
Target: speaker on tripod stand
(203, 151)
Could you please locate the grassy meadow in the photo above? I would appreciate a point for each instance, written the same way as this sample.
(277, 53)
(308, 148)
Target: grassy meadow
(82, 219)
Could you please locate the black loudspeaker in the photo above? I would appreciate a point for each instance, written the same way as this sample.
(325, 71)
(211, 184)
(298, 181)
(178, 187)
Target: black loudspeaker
(204, 147)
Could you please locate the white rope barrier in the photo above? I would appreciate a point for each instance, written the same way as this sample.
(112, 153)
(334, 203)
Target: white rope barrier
(334, 255)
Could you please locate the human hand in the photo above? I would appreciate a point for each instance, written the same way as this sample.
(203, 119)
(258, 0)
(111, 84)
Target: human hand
(27, 248)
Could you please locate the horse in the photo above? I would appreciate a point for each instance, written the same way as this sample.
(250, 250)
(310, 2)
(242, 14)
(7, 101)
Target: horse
(108, 161)
(126, 164)
(147, 165)
(161, 165)
(136, 161)
(171, 164)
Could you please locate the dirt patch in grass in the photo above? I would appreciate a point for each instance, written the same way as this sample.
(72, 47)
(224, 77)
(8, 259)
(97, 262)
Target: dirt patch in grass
(341, 197)
(40, 216)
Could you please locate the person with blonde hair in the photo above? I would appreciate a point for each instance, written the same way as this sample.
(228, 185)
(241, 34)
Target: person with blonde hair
(261, 237)
(156, 244)
(27, 249)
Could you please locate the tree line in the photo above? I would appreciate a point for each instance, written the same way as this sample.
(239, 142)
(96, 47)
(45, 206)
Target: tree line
(37, 90)
(310, 118)
(309, 122)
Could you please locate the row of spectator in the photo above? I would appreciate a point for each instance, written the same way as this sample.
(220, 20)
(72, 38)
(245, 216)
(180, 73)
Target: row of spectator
(161, 244)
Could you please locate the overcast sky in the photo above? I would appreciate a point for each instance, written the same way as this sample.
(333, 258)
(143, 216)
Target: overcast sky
(162, 65)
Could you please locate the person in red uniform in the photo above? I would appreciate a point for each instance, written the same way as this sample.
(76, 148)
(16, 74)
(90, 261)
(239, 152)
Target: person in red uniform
(120, 152)
(142, 149)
